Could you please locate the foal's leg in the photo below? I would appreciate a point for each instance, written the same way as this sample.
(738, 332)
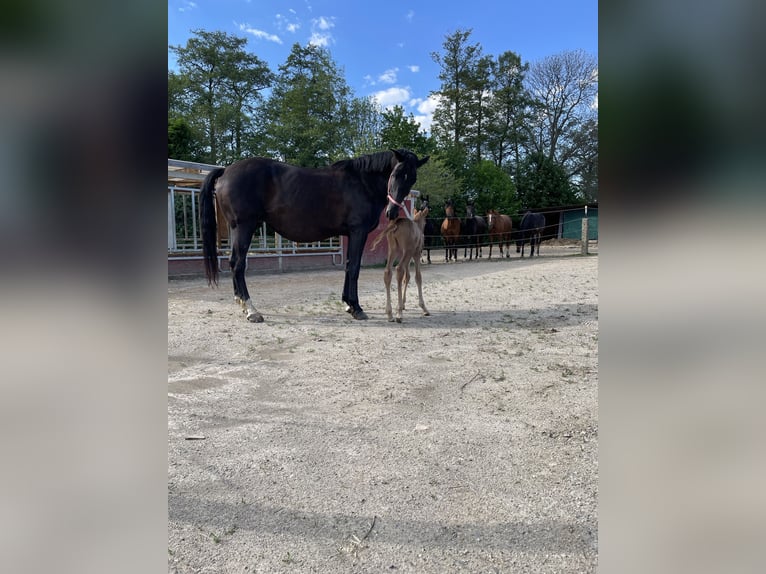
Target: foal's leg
(406, 280)
(419, 281)
(400, 286)
(387, 282)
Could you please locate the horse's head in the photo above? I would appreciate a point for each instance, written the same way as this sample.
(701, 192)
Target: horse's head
(491, 218)
(402, 178)
(469, 209)
(424, 204)
(449, 208)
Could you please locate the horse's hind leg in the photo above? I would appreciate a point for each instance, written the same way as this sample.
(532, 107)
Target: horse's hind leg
(240, 243)
(419, 281)
(406, 282)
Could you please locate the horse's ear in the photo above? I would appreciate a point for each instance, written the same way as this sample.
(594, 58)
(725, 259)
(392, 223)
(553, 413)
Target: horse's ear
(424, 160)
(397, 154)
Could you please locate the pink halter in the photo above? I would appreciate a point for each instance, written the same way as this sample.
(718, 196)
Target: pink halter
(392, 200)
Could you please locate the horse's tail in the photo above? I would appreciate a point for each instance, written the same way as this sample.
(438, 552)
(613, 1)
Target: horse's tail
(208, 225)
(392, 225)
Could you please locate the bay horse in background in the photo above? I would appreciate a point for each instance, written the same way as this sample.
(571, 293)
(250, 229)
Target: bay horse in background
(304, 205)
(474, 231)
(405, 244)
(430, 231)
(530, 230)
(450, 231)
(500, 228)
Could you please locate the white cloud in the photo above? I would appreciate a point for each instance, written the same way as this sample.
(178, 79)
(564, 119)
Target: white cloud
(425, 109)
(389, 76)
(414, 69)
(319, 31)
(322, 40)
(410, 15)
(288, 23)
(260, 34)
(324, 23)
(391, 97)
(186, 6)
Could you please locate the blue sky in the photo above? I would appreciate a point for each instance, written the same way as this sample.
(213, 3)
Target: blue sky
(384, 48)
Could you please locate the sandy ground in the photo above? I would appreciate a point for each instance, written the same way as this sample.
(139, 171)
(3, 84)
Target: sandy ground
(465, 441)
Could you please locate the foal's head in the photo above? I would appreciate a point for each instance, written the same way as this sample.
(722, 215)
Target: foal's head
(401, 180)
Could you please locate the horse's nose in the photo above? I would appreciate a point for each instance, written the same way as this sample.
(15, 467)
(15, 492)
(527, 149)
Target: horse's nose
(392, 212)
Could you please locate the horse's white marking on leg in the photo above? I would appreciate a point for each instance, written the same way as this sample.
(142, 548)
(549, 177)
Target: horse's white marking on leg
(252, 313)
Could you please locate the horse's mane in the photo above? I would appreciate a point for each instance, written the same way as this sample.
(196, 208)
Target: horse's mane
(374, 162)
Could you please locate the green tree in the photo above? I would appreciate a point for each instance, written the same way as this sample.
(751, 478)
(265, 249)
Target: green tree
(543, 183)
(478, 111)
(403, 131)
(221, 84)
(508, 112)
(365, 127)
(437, 181)
(490, 187)
(564, 88)
(584, 159)
(458, 72)
(309, 109)
(183, 142)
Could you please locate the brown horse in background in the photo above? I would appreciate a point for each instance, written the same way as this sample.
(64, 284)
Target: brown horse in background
(405, 243)
(500, 227)
(450, 231)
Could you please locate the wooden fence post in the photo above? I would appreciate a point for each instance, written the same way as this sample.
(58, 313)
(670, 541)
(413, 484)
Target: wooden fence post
(584, 245)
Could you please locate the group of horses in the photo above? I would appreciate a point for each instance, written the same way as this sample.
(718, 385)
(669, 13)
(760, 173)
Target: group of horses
(346, 198)
(473, 231)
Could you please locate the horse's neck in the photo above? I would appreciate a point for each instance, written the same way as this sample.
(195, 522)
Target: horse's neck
(420, 218)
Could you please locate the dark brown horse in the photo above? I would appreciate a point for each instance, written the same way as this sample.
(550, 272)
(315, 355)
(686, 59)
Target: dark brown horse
(530, 230)
(474, 231)
(450, 231)
(500, 227)
(304, 205)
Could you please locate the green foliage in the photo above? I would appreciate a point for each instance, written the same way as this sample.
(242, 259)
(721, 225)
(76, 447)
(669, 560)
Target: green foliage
(309, 109)
(399, 130)
(183, 142)
(490, 188)
(438, 182)
(504, 133)
(543, 183)
(217, 89)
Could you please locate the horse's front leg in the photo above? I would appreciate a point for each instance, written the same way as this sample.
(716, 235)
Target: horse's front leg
(400, 287)
(387, 282)
(350, 287)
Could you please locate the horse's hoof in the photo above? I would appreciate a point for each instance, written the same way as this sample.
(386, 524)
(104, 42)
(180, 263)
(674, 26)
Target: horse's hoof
(359, 315)
(255, 317)
(426, 313)
(349, 309)
(398, 319)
